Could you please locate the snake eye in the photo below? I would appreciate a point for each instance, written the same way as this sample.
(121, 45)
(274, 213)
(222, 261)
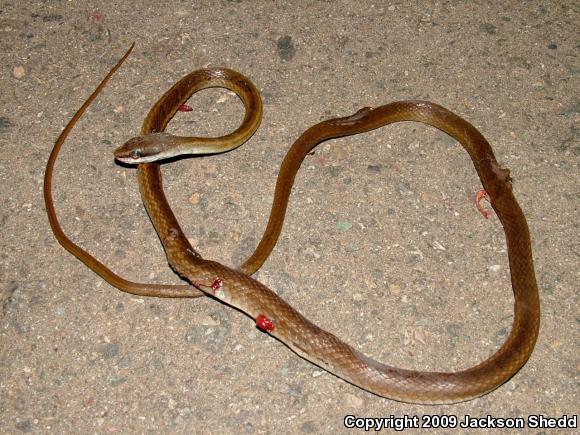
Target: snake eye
(136, 154)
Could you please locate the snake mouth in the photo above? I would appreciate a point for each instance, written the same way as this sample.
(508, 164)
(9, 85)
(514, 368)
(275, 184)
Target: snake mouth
(135, 158)
(131, 151)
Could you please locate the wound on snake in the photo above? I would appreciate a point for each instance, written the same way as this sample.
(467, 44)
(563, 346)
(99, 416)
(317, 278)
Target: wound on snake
(264, 324)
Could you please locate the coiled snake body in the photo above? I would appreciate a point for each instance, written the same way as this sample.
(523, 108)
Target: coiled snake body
(274, 315)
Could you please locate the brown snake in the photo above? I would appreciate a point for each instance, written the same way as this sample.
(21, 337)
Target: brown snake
(271, 313)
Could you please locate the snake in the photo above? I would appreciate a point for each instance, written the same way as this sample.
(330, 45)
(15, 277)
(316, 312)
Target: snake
(235, 286)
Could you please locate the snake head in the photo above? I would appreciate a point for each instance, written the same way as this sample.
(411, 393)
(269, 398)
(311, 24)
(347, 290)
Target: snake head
(146, 149)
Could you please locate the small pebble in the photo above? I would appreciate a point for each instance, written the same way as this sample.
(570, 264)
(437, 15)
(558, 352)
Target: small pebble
(343, 226)
(394, 289)
(353, 402)
(195, 198)
(19, 72)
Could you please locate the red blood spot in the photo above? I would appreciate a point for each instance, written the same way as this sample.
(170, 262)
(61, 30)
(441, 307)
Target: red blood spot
(264, 324)
(482, 194)
(217, 284)
(97, 17)
(185, 108)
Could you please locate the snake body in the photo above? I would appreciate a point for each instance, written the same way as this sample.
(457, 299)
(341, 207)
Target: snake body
(272, 313)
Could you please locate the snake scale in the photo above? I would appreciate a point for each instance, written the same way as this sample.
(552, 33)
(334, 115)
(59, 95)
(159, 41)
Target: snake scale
(271, 313)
